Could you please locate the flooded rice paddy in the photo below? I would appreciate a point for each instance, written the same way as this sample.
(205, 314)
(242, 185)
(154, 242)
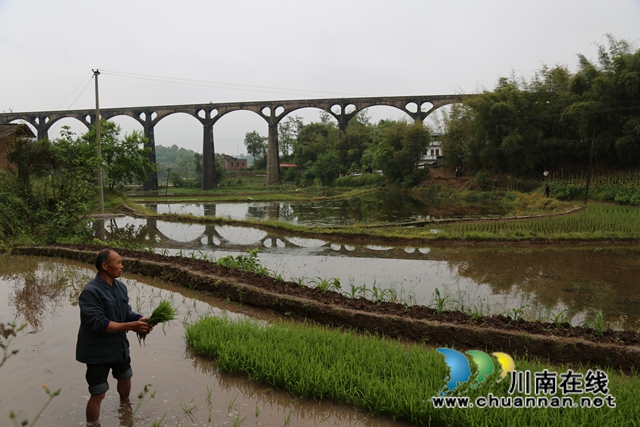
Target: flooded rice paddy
(44, 292)
(541, 280)
(376, 208)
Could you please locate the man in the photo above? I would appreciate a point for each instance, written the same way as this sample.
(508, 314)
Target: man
(105, 318)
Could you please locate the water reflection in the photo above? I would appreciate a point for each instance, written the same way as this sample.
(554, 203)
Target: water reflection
(375, 207)
(580, 279)
(305, 243)
(39, 293)
(239, 235)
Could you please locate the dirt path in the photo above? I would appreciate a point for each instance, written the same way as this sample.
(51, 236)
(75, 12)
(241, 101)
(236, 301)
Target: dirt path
(547, 342)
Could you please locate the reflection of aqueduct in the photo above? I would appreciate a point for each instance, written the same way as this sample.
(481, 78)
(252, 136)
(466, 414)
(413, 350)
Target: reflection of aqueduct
(229, 237)
(147, 230)
(343, 109)
(237, 238)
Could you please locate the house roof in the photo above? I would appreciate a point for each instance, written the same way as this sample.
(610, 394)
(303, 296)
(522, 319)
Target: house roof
(17, 129)
(228, 157)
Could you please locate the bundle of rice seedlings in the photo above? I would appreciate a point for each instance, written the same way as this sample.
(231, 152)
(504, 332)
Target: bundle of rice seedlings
(164, 312)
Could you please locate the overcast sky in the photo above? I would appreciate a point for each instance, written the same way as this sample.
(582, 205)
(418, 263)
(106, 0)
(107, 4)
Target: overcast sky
(238, 50)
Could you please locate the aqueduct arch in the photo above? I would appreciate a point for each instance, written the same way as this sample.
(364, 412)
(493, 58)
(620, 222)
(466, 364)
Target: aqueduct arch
(342, 109)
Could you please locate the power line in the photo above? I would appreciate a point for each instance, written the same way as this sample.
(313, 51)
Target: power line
(223, 85)
(86, 86)
(73, 91)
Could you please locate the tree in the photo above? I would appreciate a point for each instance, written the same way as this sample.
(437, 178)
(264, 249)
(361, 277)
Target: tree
(288, 131)
(524, 127)
(125, 160)
(314, 139)
(174, 157)
(400, 148)
(327, 167)
(185, 163)
(197, 161)
(53, 189)
(256, 145)
(354, 141)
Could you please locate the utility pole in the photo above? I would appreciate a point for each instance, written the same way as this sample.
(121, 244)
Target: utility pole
(96, 73)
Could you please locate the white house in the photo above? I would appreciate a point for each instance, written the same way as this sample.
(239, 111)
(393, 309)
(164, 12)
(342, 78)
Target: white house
(434, 156)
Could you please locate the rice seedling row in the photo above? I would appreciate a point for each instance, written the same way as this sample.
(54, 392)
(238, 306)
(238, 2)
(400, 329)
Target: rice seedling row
(598, 221)
(383, 376)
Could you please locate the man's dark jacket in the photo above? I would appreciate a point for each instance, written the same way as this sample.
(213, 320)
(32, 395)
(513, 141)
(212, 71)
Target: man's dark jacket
(100, 304)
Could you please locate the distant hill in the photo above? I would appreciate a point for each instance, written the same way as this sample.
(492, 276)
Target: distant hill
(177, 158)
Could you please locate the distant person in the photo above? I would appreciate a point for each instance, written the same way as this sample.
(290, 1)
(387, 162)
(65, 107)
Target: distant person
(547, 190)
(105, 318)
(457, 171)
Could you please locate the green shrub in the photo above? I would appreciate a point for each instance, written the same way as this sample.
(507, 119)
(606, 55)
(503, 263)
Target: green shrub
(248, 263)
(564, 190)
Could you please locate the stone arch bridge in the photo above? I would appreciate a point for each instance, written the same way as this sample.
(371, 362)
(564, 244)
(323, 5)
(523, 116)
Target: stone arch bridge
(418, 107)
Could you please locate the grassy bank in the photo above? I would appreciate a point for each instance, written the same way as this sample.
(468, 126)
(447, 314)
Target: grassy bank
(597, 222)
(385, 377)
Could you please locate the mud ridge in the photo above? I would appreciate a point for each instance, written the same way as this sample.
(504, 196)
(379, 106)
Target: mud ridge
(556, 344)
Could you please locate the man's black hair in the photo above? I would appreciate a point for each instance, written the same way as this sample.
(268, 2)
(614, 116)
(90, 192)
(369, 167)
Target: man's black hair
(103, 256)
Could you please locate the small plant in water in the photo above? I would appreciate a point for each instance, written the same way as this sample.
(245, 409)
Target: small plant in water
(209, 391)
(231, 403)
(51, 395)
(237, 420)
(188, 408)
(8, 333)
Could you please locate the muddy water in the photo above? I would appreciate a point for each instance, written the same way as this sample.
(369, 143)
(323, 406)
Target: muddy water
(541, 280)
(373, 208)
(44, 292)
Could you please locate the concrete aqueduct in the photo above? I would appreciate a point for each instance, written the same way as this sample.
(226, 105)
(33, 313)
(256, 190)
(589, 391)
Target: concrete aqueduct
(343, 109)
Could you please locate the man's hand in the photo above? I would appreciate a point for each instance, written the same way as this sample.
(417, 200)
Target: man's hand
(145, 320)
(141, 327)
